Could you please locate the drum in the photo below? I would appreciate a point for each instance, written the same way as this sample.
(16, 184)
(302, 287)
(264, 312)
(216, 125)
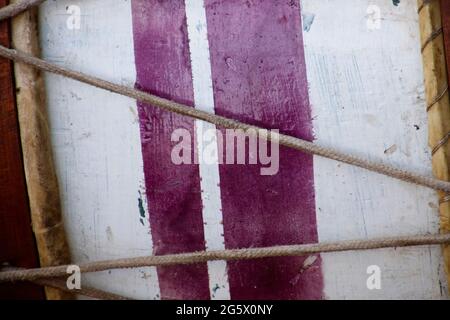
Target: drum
(135, 180)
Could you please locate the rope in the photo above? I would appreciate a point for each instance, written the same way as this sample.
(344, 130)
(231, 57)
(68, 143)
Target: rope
(227, 255)
(434, 35)
(84, 291)
(285, 140)
(61, 284)
(425, 3)
(16, 8)
(440, 143)
(437, 98)
(238, 254)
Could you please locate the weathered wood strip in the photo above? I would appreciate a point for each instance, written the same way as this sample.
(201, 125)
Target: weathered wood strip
(437, 96)
(42, 183)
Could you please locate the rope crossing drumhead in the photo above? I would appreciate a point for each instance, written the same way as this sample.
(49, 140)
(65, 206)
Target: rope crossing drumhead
(237, 254)
(220, 121)
(16, 8)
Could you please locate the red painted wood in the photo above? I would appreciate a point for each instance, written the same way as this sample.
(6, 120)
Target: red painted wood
(17, 244)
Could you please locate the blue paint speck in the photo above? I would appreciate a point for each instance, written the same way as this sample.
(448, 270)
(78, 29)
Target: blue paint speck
(308, 19)
(141, 209)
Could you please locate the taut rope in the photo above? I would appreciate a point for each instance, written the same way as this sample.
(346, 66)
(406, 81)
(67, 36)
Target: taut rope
(61, 284)
(84, 291)
(50, 273)
(236, 254)
(282, 139)
(16, 8)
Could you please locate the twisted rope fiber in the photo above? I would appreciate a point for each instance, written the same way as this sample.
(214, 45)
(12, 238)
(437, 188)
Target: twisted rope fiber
(220, 121)
(16, 8)
(428, 41)
(422, 6)
(84, 291)
(235, 254)
(437, 98)
(433, 35)
(60, 283)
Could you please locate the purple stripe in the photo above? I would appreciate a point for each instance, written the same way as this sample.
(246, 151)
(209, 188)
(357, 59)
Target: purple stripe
(175, 207)
(259, 76)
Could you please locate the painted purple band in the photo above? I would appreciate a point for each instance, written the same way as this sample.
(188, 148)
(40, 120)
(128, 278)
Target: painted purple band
(173, 192)
(259, 76)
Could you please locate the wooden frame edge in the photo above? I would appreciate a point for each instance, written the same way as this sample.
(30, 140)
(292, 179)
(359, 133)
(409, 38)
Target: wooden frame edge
(42, 184)
(438, 105)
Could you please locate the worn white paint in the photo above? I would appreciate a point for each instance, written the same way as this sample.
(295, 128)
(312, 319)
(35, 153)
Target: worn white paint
(367, 96)
(209, 170)
(97, 143)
